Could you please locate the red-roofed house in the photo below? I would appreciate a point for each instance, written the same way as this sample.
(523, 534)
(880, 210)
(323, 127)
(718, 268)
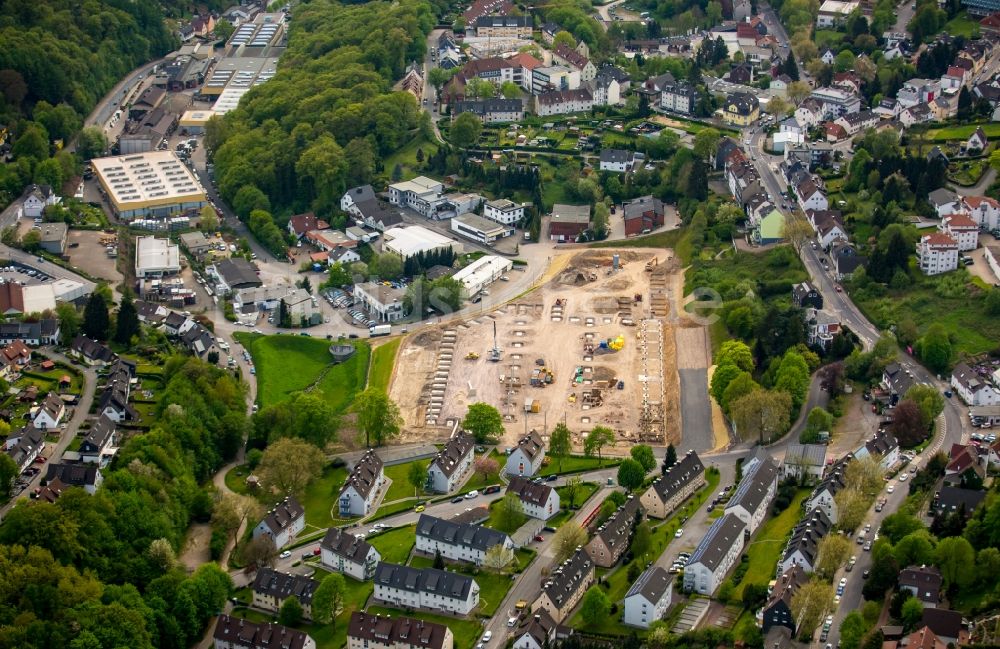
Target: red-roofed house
(984, 211)
(835, 132)
(937, 253)
(923, 639)
(990, 23)
(576, 60)
(955, 77)
(963, 458)
(962, 229)
(299, 224)
(523, 64)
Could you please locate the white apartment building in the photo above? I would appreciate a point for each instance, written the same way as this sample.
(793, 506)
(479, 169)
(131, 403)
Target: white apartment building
(937, 253)
(539, 500)
(458, 542)
(717, 553)
(962, 229)
(428, 589)
(649, 598)
(451, 465)
(503, 211)
(361, 490)
(526, 458)
(341, 551)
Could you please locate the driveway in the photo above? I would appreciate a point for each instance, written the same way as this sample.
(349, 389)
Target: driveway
(696, 411)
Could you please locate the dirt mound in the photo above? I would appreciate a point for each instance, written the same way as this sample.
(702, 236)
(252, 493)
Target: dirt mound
(618, 284)
(604, 373)
(573, 277)
(604, 304)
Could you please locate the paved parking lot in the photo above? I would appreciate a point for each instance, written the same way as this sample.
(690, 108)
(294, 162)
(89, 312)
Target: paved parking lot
(91, 256)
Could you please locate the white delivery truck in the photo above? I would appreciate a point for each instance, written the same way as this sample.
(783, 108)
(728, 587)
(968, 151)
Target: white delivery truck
(380, 330)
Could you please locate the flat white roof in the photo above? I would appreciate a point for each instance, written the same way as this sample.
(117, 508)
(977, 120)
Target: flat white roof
(196, 117)
(838, 7)
(152, 254)
(480, 223)
(417, 185)
(147, 179)
(415, 239)
(38, 298)
(482, 272)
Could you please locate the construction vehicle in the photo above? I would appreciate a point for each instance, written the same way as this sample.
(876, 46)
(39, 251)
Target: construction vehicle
(494, 354)
(472, 356)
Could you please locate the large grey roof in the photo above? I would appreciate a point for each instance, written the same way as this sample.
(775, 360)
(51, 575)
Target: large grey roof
(753, 488)
(805, 454)
(283, 514)
(534, 493)
(362, 193)
(466, 535)
(618, 529)
(364, 474)
(426, 580)
(397, 631)
(717, 541)
(688, 469)
(565, 580)
(651, 584)
(449, 458)
(345, 545)
(281, 585)
(807, 535)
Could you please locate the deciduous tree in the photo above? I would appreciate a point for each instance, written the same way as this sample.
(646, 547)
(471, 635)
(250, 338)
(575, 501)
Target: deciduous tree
(289, 465)
(571, 489)
(290, 613)
(596, 440)
(567, 538)
(510, 512)
(809, 603)
(908, 424)
(595, 607)
(260, 552)
(762, 415)
(560, 444)
(417, 476)
(630, 474)
(643, 454)
(484, 422)
(498, 557)
(377, 416)
(465, 130)
(328, 599)
(834, 550)
(852, 505)
(486, 466)
(957, 561)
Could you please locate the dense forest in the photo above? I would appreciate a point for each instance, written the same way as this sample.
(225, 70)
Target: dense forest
(92, 572)
(58, 59)
(328, 117)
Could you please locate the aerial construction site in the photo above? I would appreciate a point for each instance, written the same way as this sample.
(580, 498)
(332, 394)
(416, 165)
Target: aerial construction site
(592, 346)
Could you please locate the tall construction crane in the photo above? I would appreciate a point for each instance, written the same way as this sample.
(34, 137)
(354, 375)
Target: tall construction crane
(494, 354)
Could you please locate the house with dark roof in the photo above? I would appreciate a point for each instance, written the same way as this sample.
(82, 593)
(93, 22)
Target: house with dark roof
(98, 447)
(642, 215)
(50, 412)
(539, 500)
(565, 586)
(805, 294)
(497, 110)
(347, 554)
(679, 483)
(955, 500)
(974, 389)
(535, 631)
(282, 523)
(237, 633)
(24, 445)
(946, 624)
(740, 109)
(90, 352)
(883, 447)
(753, 494)
(356, 195)
(845, 260)
(42, 332)
(613, 537)
(452, 464)
(428, 589)
(234, 274)
(802, 548)
(649, 598)
(300, 224)
(716, 554)
(896, 380)
(526, 458)
(964, 460)
(361, 490)
(823, 495)
(86, 476)
(923, 582)
(457, 541)
(366, 631)
(271, 588)
(777, 610)
(804, 462)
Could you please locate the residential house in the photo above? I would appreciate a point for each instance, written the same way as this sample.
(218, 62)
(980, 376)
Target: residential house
(548, 78)
(354, 197)
(804, 462)
(923, 582)
(524, 69)
(955, 500)
(452, 464)
(896, 380)
(741, 109)
(503, 211)
(678, 97)
(90, 352)
(821, 327)
(753, 495)
(14, 357)
(975, 390)
(607, 90)
(679, 483)
(944, 201)
(613, 537)
(24, 445)
(835, 102)
(649, 598)
(835, 132)
(86, 476)
(565, 586)
(98, 447)
(809, 113)
(962, 229)
(855, 123)
(427, 589)
(917, 91)
(963, 463)
(417, 194)
(457, 542)
(238, 633)
(977, 141)
(538, 500)
(882, 447)
(770, 229)
(491, 111)
(716, 554)
(561, 102)
(845, 260)
(42, 332)
(347, 554)
(282, 523)
(384, 302)
(361, 490)
(36, 198)
(503, 26)
(617, 160)
(535, 631)
(271, 588)
(576, 59)
(740, 74)
(549, 31)
(916, 114)
(300, 224)
(49, 414)
(802, 548)
(642, 215)
(937, 253)
(983, 210)
(526, 458)
(805, 294)
(823, 495)
(947, 625)
(777, 610)
(366, 631)
(811, 196)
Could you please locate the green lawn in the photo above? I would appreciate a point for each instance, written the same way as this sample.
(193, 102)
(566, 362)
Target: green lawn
(766, 546)
(383, 358)
(495, 523)
(477, 481)
(236, 479)
(992, 129)
(962, 25)
(466, 632)
(406, 157)
(395, 545)
(395, 508)
(583, 494)
(401, 487)
(577, 464)
(288, 364)
(334, 636)
(320, 500)
(828, 38)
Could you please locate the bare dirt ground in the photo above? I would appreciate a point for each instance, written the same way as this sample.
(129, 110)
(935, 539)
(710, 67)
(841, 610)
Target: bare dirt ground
(849, 431)
(91, 256)
(196, 551)
(559, 329)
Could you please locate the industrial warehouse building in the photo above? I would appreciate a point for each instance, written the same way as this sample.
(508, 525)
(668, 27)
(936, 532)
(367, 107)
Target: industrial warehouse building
(482, 272)
(479, 228)
(155, 183)
(415, 239)
(156, 257)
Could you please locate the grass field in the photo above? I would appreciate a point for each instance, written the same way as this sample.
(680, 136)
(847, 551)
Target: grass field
(477, 481)
(583, 494)
(992, 129)
(962, 25)
(288, 364)
(401, 487)
(236, 479)
(395, 545)
(406, 157)
(466, 631)
(577, 464)
(383, 358)
(768, 543)
(321, 497)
